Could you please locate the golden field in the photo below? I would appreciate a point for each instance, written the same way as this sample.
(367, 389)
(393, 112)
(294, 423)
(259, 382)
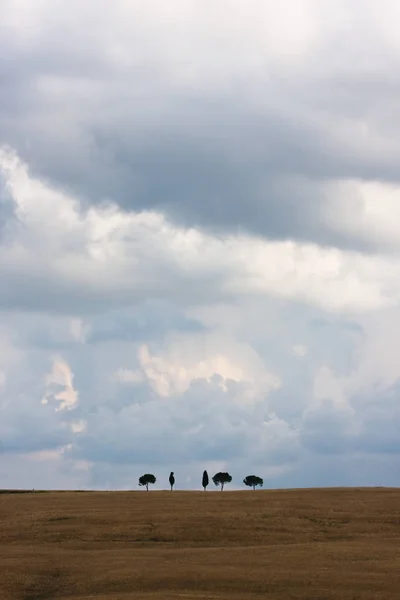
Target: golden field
(310, 544)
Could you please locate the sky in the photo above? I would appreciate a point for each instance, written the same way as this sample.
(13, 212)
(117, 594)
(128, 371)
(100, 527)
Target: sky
(199, 242)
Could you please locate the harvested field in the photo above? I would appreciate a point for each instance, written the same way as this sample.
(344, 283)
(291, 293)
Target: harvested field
(293, 544)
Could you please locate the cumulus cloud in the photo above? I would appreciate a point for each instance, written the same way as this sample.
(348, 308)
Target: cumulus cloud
(203, 358)
(108, 257)
(59, 386)
(300, 350)
(196, 108)
(199, 242)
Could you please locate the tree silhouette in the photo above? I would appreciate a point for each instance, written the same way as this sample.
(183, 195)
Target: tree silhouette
(145, 479)
(221, 479)
(171, 480)
(253, 481)
(205, 480)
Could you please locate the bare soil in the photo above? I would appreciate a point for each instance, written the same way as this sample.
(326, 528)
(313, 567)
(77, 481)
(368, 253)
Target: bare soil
(295, 544)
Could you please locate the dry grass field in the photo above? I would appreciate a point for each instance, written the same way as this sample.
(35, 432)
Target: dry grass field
(308, 544)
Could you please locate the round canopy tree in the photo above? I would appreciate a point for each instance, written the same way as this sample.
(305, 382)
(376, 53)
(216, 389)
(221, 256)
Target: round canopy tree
(253, 481)
(145, 479)
(221, 479)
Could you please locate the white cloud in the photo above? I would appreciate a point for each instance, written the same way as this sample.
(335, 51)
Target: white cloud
(79, 426)
(128, 376)
(369, 210)
(106, 253)
(328, 388)
(79, 329)
(203, 358)
(300, 350)
(62, 377)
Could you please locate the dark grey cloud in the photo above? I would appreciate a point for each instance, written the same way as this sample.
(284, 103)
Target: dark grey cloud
(25, 429)
(38, 285)
(324, 430)
(202, 423)
(331, 470)
(254, 156)
(208, 165)
(153, 319)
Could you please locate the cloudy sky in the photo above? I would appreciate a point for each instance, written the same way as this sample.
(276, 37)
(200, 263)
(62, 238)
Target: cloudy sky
(200, 242)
